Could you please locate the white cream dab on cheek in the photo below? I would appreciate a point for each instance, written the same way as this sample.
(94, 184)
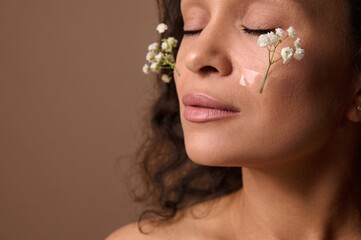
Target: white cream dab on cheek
(275, 86)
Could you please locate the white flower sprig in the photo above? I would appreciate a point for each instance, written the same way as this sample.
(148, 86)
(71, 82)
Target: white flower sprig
(271, 41)
(160, 56)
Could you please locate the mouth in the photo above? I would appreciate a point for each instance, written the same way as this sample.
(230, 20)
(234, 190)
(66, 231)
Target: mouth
(200, 108)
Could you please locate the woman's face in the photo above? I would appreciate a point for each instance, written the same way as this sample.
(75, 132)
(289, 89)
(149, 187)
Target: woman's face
(289, 119)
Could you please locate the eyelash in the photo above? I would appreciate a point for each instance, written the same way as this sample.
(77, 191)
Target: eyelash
(257, 31)
(194, 32)
(246, 30)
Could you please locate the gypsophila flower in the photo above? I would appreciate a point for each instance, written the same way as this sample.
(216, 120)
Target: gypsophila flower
(161, 28)
(172, 41)
(286, 54)
(271, 41)
(153, 47)
(166, 47)
(299, 54)
(169, 58)
(165, 78)
(280, 32)
(263, 40)
(160, 56)
(297, 43)
(291, 32)
(146, 69)
(150, 57)
(272, 37)
(154, 67)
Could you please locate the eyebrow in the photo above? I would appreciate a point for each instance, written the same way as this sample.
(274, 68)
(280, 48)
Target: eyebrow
(301, 3)
(298, 2)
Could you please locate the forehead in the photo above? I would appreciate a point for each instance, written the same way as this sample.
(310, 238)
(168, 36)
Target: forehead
(241, 6)
(312, 8)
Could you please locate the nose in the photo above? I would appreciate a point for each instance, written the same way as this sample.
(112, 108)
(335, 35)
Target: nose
(209, 53)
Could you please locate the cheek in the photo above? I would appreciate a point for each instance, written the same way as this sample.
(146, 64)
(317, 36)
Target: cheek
(271, 128)
(185, 81)
(181, 67)
(277, 131)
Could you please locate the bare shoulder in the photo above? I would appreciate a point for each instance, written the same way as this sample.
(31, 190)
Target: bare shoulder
(200, 221)
(128, 232)
(151, 231)
(178, 228)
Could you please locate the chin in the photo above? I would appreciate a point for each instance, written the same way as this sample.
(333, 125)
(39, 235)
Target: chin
(218, 154)
(222, 153)
(204, 156)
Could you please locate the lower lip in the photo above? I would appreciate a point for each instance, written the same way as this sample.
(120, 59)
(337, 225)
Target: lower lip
(199, 114)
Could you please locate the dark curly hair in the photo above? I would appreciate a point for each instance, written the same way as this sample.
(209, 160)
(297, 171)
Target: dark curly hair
(172, 180)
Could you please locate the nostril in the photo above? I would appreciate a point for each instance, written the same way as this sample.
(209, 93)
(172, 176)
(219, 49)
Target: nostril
(206, 69)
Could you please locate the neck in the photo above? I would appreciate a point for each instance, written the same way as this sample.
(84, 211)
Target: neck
(312, 198)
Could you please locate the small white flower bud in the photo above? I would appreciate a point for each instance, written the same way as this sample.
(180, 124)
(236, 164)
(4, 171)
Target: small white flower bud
(154, 67)
(280, 32)
(297, 43)
(150, 56)
(166, 47)
(153, 47)
(146, 69)
(159, 57)
(286, 54)
(272, 37)
(165, 78)
(264, 41)
(172, 41)
(291, 32)
(161, 28)
(299, 54)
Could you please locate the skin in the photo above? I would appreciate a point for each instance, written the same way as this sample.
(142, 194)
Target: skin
(299, 153)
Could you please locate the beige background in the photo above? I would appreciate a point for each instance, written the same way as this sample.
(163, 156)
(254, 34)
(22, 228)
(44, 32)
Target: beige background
(71, 97)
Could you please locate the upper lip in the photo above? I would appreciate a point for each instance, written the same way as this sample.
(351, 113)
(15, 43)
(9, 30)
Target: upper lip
(206, 101)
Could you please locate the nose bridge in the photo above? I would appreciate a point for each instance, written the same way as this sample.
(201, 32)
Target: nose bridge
(209, 51)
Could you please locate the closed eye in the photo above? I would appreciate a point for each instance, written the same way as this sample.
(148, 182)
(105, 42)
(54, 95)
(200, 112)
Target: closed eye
(249, 31)
(257, 31)
(193, 32)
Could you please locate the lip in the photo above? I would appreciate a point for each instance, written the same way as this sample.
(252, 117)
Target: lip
(200, 107)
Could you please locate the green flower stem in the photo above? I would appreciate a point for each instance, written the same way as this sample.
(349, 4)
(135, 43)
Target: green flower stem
(270, 60)
(265, 77)
(171, 65)
(176, 70)
(276, 60)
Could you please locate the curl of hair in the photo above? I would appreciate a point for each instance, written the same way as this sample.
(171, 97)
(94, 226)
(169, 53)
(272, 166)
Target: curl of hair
(354, 11)
(172, 181)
